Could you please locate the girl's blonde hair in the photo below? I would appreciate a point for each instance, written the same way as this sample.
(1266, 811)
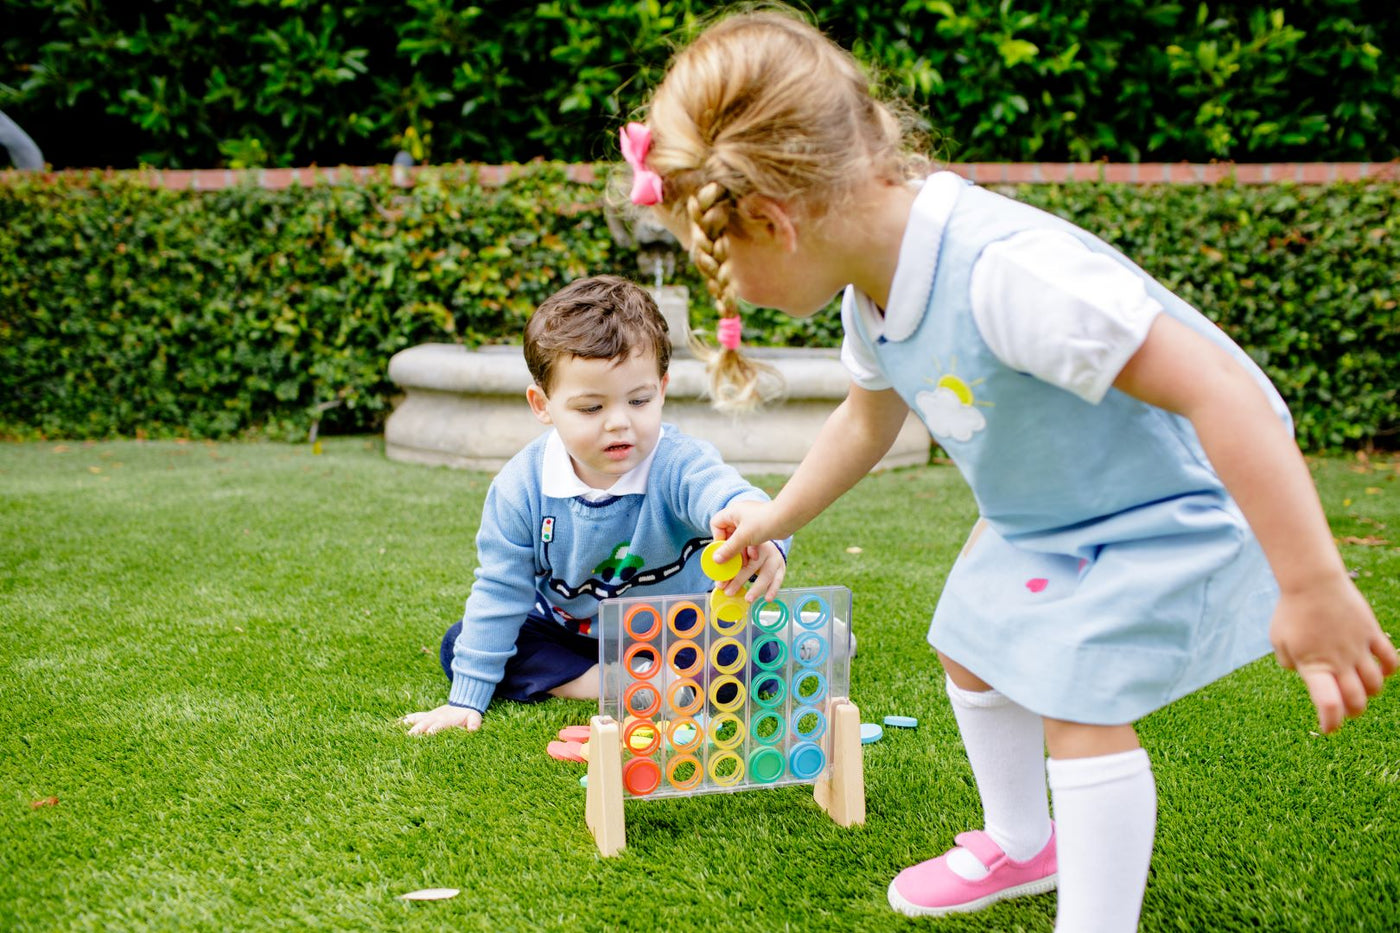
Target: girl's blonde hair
(762, 103)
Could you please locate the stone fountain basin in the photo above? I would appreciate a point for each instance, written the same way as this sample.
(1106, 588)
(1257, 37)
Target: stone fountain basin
(466, 408)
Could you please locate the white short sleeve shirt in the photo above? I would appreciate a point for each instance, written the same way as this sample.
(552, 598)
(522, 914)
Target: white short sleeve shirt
(1044, 303)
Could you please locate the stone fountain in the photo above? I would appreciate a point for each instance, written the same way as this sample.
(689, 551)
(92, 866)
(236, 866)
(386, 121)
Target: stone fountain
(466, 408)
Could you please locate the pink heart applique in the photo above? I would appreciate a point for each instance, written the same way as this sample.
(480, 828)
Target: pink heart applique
(1038, 584)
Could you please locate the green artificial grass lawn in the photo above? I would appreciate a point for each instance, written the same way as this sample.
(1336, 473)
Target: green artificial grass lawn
(206, 648)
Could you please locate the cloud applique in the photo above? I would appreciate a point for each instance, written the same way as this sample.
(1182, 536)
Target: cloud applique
(949, 416)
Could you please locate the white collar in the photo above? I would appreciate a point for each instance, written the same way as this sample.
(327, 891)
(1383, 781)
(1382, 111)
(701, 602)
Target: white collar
(559, 481)
(918, 260)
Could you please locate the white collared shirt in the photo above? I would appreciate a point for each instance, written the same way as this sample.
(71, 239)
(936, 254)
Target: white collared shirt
(1044, 303)
(558, 479)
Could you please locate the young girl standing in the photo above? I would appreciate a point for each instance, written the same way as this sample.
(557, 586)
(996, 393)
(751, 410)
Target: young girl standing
(1147, 523)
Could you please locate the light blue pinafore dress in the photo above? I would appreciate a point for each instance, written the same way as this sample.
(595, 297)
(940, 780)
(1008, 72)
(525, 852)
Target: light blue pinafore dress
(1112, 573)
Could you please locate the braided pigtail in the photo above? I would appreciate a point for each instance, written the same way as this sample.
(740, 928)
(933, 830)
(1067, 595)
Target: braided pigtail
(760, 105)
(709, 211)
(737, 382)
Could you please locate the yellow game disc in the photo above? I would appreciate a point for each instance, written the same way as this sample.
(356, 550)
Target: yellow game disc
(727, 613)
(719, 572)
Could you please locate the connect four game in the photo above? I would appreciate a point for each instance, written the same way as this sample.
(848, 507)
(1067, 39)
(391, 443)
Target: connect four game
(708, 693)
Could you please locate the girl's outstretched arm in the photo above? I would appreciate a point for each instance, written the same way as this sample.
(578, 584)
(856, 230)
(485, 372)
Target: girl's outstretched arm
(1323, 627)
(854, 438)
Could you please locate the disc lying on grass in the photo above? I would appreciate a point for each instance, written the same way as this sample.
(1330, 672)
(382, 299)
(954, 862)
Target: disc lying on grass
(430, 894)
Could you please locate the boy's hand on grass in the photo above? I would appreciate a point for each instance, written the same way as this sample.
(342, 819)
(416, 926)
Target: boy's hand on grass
(444, 717)
(1329, 635)
(763, 571)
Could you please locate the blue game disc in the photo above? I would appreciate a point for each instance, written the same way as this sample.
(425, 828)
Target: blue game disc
(870, 732)
(902, 722)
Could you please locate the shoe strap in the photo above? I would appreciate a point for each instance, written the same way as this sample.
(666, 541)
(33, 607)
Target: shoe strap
(983, 848)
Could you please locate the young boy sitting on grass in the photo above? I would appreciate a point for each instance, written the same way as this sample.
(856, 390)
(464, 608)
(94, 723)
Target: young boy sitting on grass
(610, 503)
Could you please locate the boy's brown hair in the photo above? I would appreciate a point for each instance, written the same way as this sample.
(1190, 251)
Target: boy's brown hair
(603, 317)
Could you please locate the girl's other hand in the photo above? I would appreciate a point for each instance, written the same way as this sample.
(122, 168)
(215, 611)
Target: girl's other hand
(1329, 635)
(444, 717)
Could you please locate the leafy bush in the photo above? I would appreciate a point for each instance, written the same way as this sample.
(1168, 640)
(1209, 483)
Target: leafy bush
(197, 83)
(1129, 80)
(127, 310)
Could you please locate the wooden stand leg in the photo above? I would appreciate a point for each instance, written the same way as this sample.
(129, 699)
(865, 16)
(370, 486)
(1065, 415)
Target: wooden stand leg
(841, 793)
(603, 810)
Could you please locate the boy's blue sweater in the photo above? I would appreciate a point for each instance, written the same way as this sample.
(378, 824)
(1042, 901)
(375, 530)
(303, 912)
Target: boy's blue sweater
(557, 558)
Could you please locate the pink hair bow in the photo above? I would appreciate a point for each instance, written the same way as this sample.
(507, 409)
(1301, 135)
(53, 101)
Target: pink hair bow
(646, 184)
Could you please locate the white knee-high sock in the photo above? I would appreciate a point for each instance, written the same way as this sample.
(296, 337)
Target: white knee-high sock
(1006, 747)
(1105, 820)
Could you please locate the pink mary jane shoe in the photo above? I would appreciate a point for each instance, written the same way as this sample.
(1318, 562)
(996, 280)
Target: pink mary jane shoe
(931, 888)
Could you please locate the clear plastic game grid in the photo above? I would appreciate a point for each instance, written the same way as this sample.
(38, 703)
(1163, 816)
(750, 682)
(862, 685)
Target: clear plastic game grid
(725, 700)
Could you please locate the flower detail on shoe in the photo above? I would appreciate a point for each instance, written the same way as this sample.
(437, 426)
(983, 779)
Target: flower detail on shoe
(933, 888)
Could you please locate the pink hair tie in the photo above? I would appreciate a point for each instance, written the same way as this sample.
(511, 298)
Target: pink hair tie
(646, 184)
(730, 330)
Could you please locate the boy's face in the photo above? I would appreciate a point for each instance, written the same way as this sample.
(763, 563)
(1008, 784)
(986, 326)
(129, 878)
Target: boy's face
(607, 413)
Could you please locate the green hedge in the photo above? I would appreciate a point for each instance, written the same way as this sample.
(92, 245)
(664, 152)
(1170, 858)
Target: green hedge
(199, 83)
(126, 310)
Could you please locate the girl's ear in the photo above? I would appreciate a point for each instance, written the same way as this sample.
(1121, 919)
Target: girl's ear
(538, 404)
(767, 217)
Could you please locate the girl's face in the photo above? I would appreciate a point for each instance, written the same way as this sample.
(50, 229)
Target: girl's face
(770, 265)
(774, 269)
(607, 413)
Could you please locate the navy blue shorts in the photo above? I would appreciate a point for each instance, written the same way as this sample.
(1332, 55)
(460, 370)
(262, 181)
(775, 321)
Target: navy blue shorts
(546, 655)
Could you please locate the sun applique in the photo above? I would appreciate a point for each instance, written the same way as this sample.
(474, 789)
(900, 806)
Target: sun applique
(949, 408)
